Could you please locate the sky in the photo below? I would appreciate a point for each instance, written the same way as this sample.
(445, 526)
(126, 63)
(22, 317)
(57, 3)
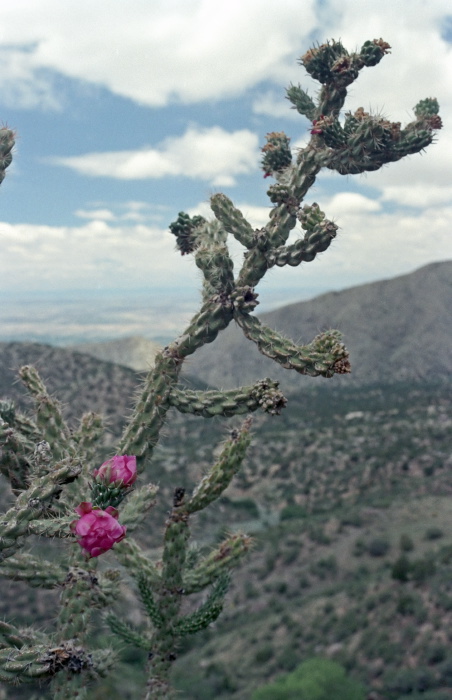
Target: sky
(127, 113)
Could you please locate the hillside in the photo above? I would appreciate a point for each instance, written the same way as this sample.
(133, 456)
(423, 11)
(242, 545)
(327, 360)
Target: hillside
(335, 491)
(347, 494)
(79, 381)
(135, 352)
(392, 328)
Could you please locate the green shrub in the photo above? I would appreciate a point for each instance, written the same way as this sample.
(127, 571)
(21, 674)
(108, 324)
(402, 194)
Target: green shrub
(406, 544)
(318, 535)
(429, 695)
(353, 518)
(401, 569)
(359, 547)
(315, 679)
(264, 654)
(378, 547)
(433, 533)
(324, 567)
(293, 512)
(421, 569)
(245, 507)
(407, 681)
(436, 654)
(407, 604)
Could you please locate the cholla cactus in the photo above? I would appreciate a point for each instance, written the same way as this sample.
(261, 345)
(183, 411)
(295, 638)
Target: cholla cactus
(53, 471)
(6, 146)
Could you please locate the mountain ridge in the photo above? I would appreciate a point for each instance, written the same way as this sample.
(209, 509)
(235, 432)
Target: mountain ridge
(395, 329)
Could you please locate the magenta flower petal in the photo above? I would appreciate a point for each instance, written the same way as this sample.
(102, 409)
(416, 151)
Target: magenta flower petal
(118, 468)
(97, 530)
(84, 507)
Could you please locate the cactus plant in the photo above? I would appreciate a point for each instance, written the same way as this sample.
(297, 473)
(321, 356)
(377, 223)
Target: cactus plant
(53, 471)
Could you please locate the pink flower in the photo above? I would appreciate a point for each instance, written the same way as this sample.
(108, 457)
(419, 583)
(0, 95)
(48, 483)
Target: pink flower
(317, 129)
(118, 468)
(97, 530)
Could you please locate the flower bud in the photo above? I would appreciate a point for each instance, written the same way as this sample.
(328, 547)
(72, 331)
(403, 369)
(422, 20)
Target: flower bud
(118, 468)
(97, 530)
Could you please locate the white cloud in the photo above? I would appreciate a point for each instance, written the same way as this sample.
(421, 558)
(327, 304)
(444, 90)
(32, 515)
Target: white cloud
(213, 155)
(99, 214)
(100, 255)
(275, 104)
(417, 194)
(23, 86)
(349, 203)
(155, 52)
(95, 254)
(420, 62)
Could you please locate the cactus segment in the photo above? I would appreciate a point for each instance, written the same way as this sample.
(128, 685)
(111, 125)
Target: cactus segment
(48, 412)
(6, 146)
(277, 154)
(223, 558)
(142, 433)
(301, 101)
(127, 633)
(137, 506)
(24, 665)
(38, 572)
(10, 636)
(131, 556)
(217, 268)
(221, 473)
(206, 613)
(149, 601)
(14, 457)
(264, 394)
(372, 52)
(31, 504)
(186, 230)
(368, 142)
(324, 356)
(319, 234)
(232, 220)
(425, 109)
(88, 434)
(52, 527)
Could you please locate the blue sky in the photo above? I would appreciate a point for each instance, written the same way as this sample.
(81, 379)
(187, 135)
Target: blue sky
(127, 113)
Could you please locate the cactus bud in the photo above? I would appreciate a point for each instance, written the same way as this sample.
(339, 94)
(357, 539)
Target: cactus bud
(121, 468)
(185, 230)
(277, 154)
(372, 52)
(319, 60)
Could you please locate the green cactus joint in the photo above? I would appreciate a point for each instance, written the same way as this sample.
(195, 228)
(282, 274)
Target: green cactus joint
(53, 468)
(185, 230)
(277, 154)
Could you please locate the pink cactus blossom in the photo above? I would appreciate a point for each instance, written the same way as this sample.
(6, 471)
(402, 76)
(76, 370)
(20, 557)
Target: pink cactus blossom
(118, 468)
(97, 530)
(317, 129)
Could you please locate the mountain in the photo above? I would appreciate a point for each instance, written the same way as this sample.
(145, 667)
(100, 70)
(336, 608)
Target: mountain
(135, 352)
(396, 329)
(82, 383)
(347, 495)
